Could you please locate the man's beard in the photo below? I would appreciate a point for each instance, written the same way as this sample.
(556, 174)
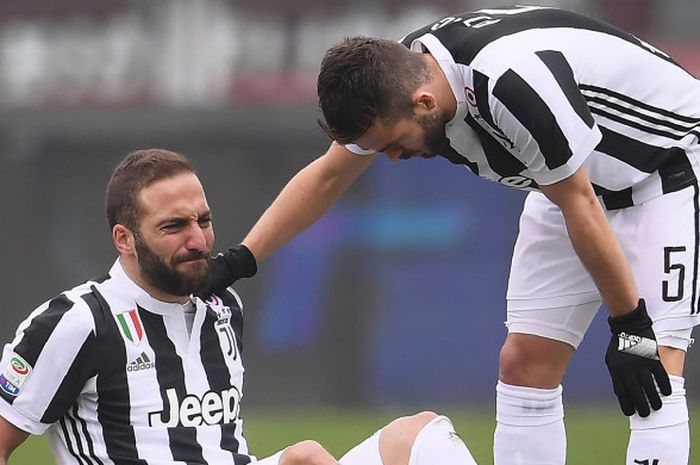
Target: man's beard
(165, 277)
(433, 126)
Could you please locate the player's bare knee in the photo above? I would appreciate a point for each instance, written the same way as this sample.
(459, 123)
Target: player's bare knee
(397, 438)
(528, 360)
(409, 424)
(511, 364)
(307, 453)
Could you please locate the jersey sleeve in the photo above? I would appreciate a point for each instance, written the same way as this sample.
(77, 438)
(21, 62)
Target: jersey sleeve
(538, 109)
(45, 367)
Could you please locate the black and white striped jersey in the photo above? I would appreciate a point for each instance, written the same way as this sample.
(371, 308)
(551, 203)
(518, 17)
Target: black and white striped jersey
(114, 377)
(541, 91)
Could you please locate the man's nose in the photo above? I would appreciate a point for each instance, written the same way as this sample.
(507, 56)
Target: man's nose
(196, 240)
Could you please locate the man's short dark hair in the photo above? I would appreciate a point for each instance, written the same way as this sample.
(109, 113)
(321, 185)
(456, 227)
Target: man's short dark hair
(136, 171)
(363, 79)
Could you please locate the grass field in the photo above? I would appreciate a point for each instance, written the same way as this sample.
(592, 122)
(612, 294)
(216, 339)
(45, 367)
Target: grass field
(595, 435)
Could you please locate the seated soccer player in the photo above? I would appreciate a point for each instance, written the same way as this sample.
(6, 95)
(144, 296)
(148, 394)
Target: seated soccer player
(132, 368)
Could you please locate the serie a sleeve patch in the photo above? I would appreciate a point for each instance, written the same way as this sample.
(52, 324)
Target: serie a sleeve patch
(14, 374)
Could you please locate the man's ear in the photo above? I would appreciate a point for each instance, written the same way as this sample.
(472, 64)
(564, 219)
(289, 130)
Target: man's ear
(424, 100)
(123, 240)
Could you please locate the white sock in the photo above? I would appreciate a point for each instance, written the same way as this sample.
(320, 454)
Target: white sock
(662, 438)
(436, 444)
(529, 426)
(365, 453)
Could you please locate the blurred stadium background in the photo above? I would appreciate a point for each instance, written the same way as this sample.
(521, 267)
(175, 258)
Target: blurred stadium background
(392, 303)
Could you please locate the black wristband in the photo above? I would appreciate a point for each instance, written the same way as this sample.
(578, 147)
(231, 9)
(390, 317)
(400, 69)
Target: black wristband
(240, 262)
(634, 322)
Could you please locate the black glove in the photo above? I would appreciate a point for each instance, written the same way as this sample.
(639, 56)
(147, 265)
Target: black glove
(633, 362)
(226, 268)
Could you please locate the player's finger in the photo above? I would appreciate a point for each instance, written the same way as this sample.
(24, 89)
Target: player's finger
(649, 387)
(662, 379)
(637, 394)
(626, 404)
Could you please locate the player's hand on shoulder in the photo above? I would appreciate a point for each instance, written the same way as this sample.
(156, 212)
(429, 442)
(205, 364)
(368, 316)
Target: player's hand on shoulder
(633, 361)
(226, 268)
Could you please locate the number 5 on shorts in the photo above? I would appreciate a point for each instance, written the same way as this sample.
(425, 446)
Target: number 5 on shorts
(669, 266)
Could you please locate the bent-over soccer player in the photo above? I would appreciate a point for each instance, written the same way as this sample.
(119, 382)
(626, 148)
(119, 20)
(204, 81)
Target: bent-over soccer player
(602, 129)
(133, 369)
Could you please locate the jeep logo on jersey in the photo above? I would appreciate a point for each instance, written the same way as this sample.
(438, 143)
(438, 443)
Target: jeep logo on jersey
(130, 325)
(14, 375)
(212, 409)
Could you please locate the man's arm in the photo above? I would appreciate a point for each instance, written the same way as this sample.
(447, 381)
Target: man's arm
(304, 200)
(632, 355)
(595, 242)
(10, 438)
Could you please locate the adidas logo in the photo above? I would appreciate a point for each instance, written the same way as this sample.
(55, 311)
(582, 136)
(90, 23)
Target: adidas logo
(627, 341)
(637, 345)
(141, 363)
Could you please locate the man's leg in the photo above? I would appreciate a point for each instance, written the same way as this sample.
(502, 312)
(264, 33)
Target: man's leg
(422, 439)
(529, 409)
(663, 438)
(660, 239)
(551, 303)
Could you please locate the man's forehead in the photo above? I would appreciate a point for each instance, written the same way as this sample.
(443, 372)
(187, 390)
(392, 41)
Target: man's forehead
(180, 195)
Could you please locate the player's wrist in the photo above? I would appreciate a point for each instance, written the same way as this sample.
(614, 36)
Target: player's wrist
(240, 262)
(635, 322)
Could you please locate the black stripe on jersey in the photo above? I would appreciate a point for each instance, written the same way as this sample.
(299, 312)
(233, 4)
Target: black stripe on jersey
(532, 112)
(642, 105)
(481, 92)
(564, 75)
(695, 301)
(636, 125)
(113, 411)
(41, 328)
(82, 368)
(466, 42)
(469, 41)
(86, 435)
(219, 378)
(456, 158)
(236, 317)
(80, 454)
(500, 160)
(676, 172)
(69, 440)
(642, 116)
(171, 375)
(614, 200)
(672, 163)
(668, 119)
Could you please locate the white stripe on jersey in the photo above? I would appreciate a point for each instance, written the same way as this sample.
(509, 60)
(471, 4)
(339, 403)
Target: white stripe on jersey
(56, 358)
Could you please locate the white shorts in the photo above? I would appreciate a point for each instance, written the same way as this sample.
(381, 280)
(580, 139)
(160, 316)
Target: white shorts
(550, 293)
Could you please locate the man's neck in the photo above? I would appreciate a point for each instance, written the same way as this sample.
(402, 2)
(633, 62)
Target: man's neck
(442, 89)
(131, 269)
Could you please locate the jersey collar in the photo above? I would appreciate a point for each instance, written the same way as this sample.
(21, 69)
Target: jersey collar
(142, 298)
(431, 44)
